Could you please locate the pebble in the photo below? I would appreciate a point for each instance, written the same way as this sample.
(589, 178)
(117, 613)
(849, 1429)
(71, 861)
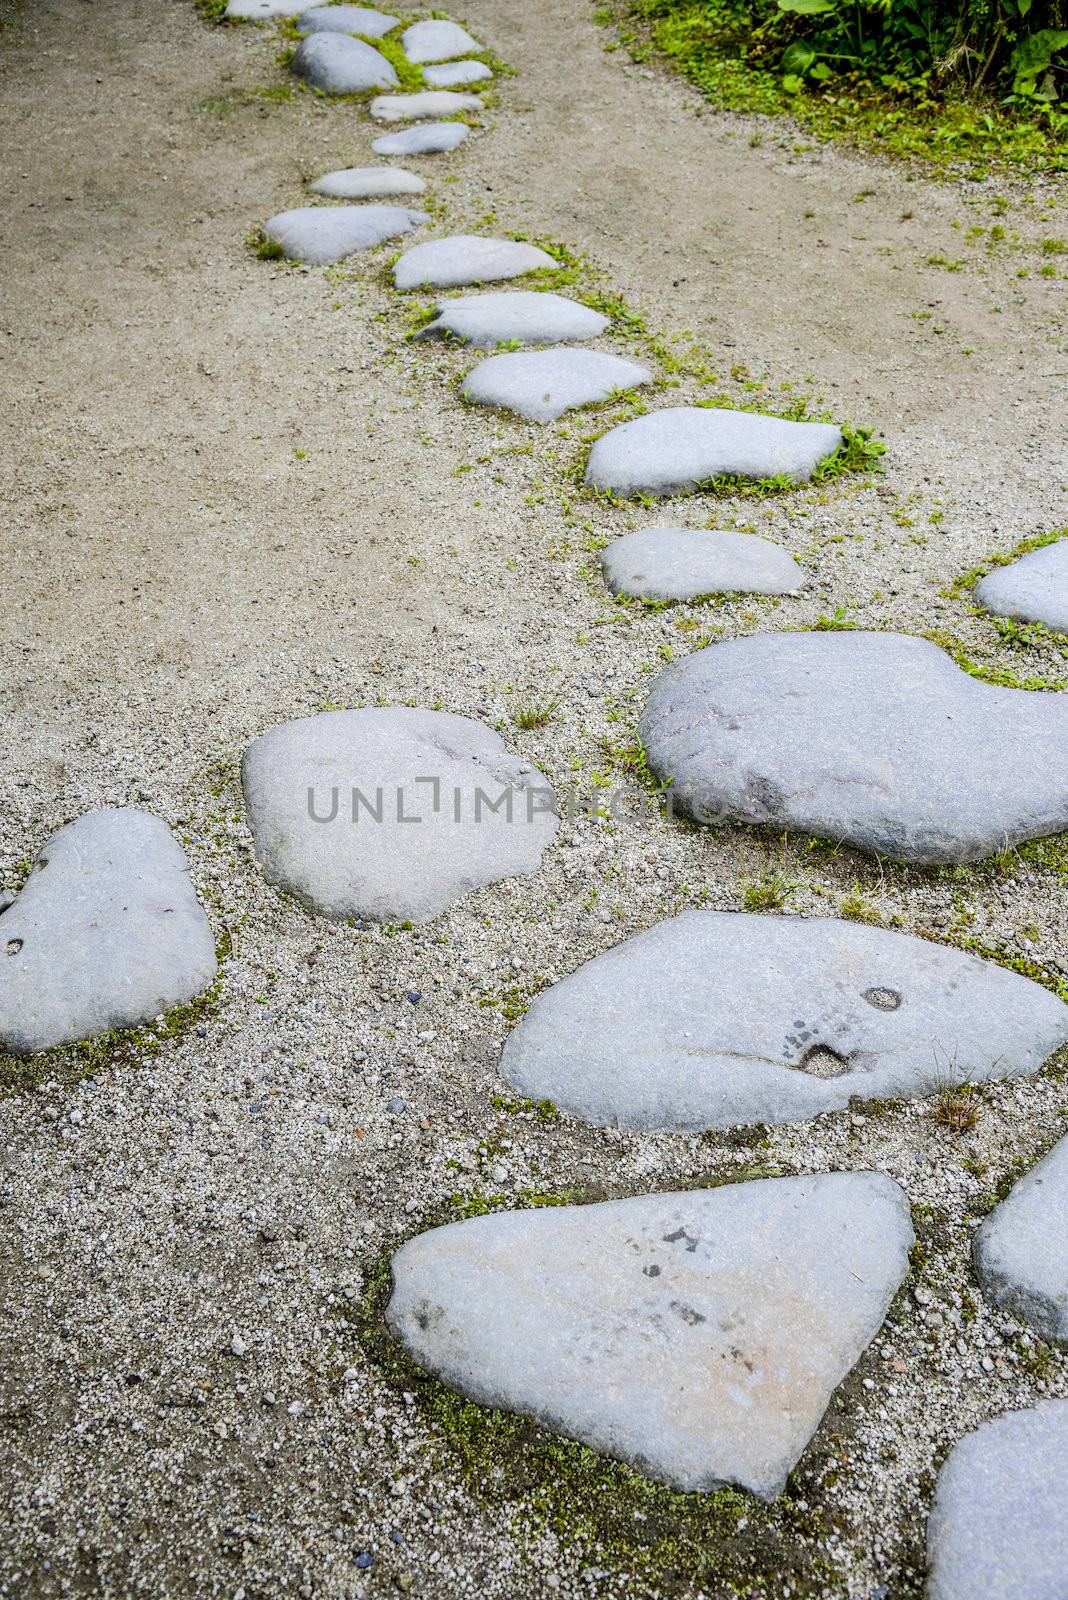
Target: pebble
(513, 316)
(437, 41)
(698, 1336)
(541, 385)
(714, 1019)
(368, 183)
(677, 450)
(431, 103)
(317, 234)
(1021, 1251)
(687, 563)
(464, 259)
(338, 64)
(427, 139)
(875, 739)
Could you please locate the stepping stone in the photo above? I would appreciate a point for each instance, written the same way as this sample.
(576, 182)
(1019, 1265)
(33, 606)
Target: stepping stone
(433, 103)
(257, 10)
(1021, 1250)
(698, 1336)
(437, 41)
(715, 1019)
(367, 183)
(339, 64)
(678, 450)
(106, 934)
(346, 19)
(317, 234)
(466, 258)
(542, 384)
(429, 138)
(388, 813)
(874, 739)
(687, 563)
(1033, 589)
(520, 316)
(998, 1529)
(456, 72)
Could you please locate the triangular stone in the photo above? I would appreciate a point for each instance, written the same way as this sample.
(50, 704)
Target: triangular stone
(1021, 1250)
(1032, 589)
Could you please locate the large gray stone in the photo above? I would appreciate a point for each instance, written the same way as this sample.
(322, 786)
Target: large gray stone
(368, 183)
(430, 103)
(330, 233)
(437, 41)
(542, 384)
(521, 316)
(388, 814)
(685, 563)
(875, 739)
(106, 933)
(684, 447)
(998, 1529)
(466, 258)
(346, 19)
(1033, 589)
(259, 10)
(428, 139)
(1021, 1250)
(715, 1019)
(454, 73)
(698, 1335)
(338, 64)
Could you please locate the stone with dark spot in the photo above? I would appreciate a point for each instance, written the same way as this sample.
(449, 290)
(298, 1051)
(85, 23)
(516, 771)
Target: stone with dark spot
(877, 740)
(714, 1019)
(698, 1336)
(338, 64)
(106, 934)
(1021, 1250)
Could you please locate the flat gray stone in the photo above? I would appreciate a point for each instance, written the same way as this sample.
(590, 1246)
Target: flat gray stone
(875, 739)
(998, 1529)
(1033, 589)
(520, 316)
(437, 41)
(430, 103)
(542, 384)
(685, 563)
(454, 73)
(716, 1019)
(259, 10)
(368, 183)
(429, 138)
(466, 258)
(424, 832)
(106, 933)
(698, 1336)
(346, 19)
(330, 233)
(677, 450)
(1021, 1251)
(338, 64)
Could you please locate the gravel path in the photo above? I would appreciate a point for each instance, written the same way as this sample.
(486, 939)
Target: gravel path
(234, 494)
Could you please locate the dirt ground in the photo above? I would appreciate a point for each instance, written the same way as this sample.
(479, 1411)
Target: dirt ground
(234, 493)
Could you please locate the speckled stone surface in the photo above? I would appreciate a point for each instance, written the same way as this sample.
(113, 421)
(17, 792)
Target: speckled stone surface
(318, 234)
(1021, 1250)
(338, 64)
(464, 259)
(368, 24)
(541, 385)
(509, 316)
(685, 563)
(676, 450)
(368, 183)
(1032, 589)
(429, 138)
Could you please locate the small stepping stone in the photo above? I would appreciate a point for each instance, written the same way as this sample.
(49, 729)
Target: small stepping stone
(998, 1529)
(346, 19)
(874, 739)
(1033, 589)
(256, 10)
(717, 1019)
(678, 450)
(338, 64)
(520, 316)
(466, 258)
(454, 73)
(687, 563)
(542, 384)
(437, 41)
(429, 138)
(1021, 1250)
(368, 183)
(433, 103)
(107, 933)
(388, 813)
(317, 234)
(698, 1336)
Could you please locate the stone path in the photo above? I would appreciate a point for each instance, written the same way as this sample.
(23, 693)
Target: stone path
(718, 1018)
(1021, 1250)
(699, 1336)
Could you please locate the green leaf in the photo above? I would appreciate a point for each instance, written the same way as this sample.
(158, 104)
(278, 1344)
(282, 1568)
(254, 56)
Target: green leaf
(821, 72)
(798, 57)
(806, 8)
(792, 83)
(1033, 55)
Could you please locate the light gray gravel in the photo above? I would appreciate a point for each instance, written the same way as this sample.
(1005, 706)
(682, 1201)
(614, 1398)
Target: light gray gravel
(699, 1336)
(678, 449)
(318, 234)
(465, 259)
(541, 385)
(1021, 1250)
(338, 64)
(522, 316)
(107, 933)
(1032, 589)
(687, 563)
